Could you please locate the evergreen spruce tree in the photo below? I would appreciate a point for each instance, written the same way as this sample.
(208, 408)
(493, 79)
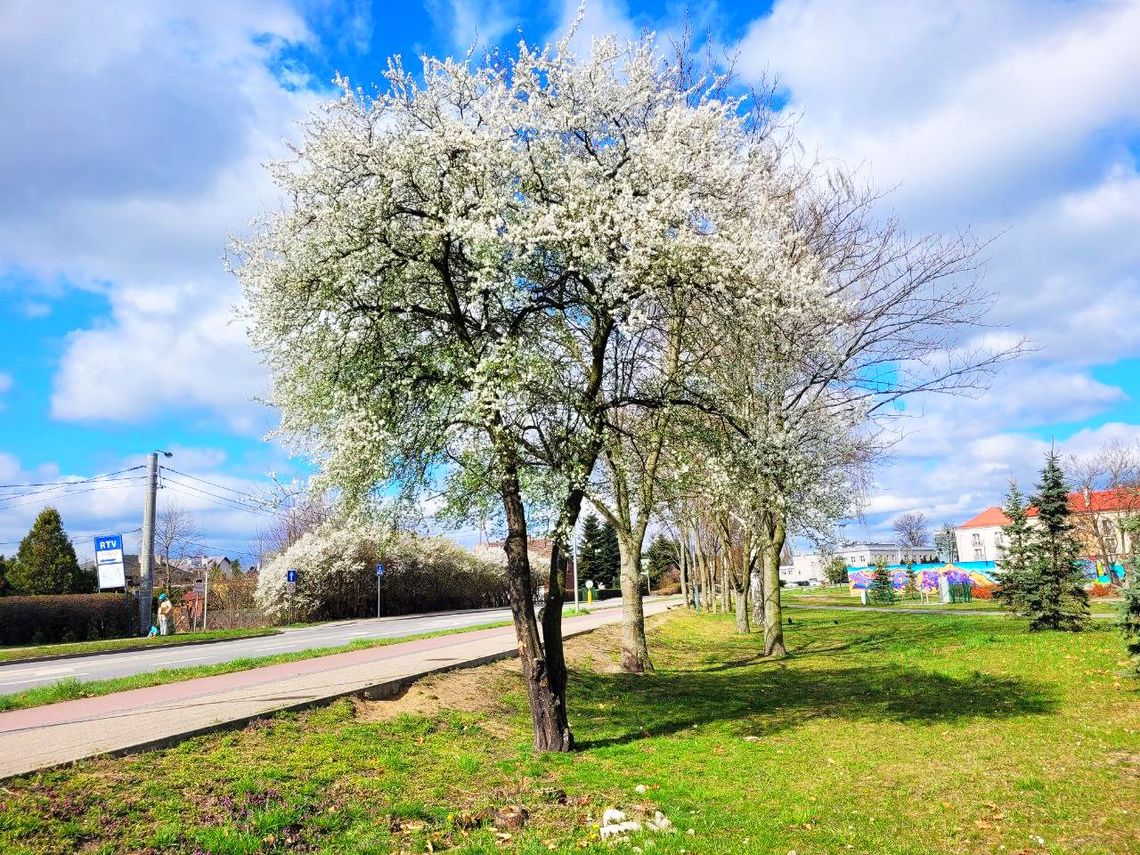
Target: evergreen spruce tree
(609, 569)
(882, 590)
(3, 575)
(1049, 586)
(662, 556)
(45, 562)
(589, 556)
(1014, 559)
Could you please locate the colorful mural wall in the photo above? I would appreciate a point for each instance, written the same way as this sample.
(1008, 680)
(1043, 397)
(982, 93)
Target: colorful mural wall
(976, 574)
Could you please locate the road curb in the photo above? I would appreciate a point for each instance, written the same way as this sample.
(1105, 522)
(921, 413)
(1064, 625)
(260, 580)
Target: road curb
(136, 649)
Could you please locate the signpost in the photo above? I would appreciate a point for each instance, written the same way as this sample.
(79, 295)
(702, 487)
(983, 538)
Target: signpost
(379, 577)
(109, 561)
(291, 581)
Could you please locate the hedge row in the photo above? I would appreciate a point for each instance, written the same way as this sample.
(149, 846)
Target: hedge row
(66, 617)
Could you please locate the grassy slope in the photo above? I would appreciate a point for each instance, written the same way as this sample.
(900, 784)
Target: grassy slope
(109, 645)
(71, 689)
(885, 733)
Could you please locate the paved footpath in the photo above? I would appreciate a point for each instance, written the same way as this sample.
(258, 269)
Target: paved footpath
(131, 721)
(16, 676)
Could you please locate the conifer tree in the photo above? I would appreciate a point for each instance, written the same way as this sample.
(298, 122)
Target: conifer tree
(45, 562)
(609, 568)
(882, 590)
(1014, 558)
(662, 556)
(3, 575)
(590, 557)
(1047, 582)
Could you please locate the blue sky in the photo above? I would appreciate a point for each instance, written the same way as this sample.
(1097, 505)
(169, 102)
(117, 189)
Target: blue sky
(135, 137)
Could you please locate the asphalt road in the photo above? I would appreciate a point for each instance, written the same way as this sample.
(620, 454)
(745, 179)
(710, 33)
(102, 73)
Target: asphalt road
(17, 678)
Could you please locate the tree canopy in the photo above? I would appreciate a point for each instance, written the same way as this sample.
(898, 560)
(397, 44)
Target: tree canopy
(45, 562)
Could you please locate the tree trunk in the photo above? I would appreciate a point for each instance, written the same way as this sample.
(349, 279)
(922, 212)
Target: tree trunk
(683, 553)
(742, 609)
(756, 579)
(773, 614)
(634, 651)
(725, 582)
(547, 697)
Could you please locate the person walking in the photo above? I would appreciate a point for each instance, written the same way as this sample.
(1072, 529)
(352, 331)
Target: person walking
(165, 614)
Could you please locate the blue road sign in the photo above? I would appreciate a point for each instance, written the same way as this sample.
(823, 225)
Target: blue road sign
(108, 542)
(379, 569)
(290, 575)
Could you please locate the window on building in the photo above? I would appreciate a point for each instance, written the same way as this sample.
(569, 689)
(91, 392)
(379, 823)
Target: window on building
(979, 555)
(977, 539)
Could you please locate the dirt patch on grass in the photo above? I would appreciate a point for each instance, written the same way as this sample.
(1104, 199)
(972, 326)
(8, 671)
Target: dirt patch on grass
(471, 690)
(1129, 764)
(481, 690)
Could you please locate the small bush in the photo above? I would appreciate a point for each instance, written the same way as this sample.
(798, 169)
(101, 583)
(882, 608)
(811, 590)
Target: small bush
(980, 593)
(63, 617)
(1099, 590)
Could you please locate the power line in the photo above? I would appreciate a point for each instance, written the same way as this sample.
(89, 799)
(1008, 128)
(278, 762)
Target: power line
(229, 502)
(65, 487)
(82, 481)
(216, 485)
(214, 498)
(71, 493)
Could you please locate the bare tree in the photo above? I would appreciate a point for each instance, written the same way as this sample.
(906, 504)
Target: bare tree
(912, 530)
(297, 517)
(176, 537)
(1102, 526)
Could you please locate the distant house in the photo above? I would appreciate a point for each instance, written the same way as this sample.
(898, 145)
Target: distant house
(1096, 516)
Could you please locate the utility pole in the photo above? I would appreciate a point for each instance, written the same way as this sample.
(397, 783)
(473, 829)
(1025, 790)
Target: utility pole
(146, 557)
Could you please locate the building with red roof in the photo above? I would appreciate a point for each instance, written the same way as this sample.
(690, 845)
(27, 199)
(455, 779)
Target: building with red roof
(1096, 516)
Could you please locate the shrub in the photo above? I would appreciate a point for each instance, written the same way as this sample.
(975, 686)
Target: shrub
(64, 617)
(1099, 590)
(981, 593)
(336, 567)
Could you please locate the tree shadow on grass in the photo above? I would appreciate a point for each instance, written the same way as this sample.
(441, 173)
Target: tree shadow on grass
(768, 699)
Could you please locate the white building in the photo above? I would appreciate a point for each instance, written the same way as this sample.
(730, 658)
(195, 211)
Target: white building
(1097, 517)
(803, 570)
(980, 538)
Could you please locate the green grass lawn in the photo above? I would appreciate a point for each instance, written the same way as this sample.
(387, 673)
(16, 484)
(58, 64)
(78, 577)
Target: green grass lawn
(110, 645)
(883, 733)
(71, 689)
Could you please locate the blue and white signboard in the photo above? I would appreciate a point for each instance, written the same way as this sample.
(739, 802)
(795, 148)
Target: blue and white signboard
(109, 561)
(379, 570)
(290, 575)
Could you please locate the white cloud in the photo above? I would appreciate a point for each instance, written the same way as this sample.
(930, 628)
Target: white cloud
(473, 23)
(138, 149)
(174, 348)
(598, 19)
(1014, 118)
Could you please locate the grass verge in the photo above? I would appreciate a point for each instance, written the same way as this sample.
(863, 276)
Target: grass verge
(72, 689)
(883, 733)
(113, 645)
